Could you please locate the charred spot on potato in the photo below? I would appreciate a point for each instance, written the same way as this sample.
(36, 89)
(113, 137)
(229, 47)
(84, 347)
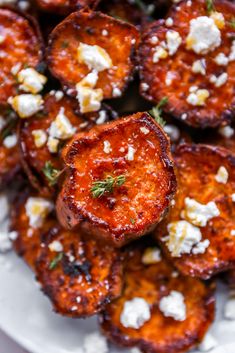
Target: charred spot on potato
(117, 172)
(198, 233)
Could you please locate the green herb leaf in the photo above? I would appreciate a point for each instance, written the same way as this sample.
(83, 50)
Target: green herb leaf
(210, 6)
(147, 9)
(101, 187)
(55, 261)
(232, 22)
(132, 220)
(157, 111)
(51, 173)
(64, 44)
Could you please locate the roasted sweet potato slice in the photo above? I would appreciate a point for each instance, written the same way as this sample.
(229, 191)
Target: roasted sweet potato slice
(81, 276)
(189, 58)
(198, 233)
(87, 41)
(159, 331)
(28, 242)
(120, 179)
(64, 7)
(20, 46)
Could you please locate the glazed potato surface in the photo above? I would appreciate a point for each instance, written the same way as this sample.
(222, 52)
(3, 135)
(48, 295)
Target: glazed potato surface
(160, 334)
(134, 148)
(197, 172)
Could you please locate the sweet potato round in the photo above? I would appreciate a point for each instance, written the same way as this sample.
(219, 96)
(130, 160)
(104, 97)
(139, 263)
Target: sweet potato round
(160, 334)
(197, 166)
(134, 208)
(219, 107)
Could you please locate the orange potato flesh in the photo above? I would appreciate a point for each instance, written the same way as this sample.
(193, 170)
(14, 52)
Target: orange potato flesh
(87, 27)
(86, 278)
(133, 208)
(197, 166)
(160, 334)
(219, 107)
(21, 45)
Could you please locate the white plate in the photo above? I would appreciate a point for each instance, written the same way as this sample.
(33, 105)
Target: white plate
(26, 316)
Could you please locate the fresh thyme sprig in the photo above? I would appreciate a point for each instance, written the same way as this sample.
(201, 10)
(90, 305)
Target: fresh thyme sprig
(55, 261)
(156, 112)
(101, 187)
(51, 173)
(210, 6)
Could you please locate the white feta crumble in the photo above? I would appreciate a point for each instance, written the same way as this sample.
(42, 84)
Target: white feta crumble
(57, 94)
(208, 343)
(229, 308)
(107, 147)
(4, 207)
(173, 41)
(159, 53)
(10, 141)
(26, 105)
(221, 59)
(233, 197)
(24, 5)
(197, 213)
(31, 81)
(184, 116)
(172, 131)
(222, 175)
(53, 144)
(232, 52)
(144, 130)
(220, 80)
(232, 232)
(2, 38)
(182, 237)
(130, 153)
(173, 306)
(151, 256)
(61, 128)
(89, 98)
(169, 22)
(56, 246)
(94, 57)
(104, 32)
(144, 86)
(198, 97)
(40, 137)
(204, 36)
(154, 40)
(170, 76)
(15, 69)
(102, 117)
(201, 247)
(218, 18)
(116, 92)
(95, 343)
(199, 66)
(37, 208)
(226, 131)
(135, 313)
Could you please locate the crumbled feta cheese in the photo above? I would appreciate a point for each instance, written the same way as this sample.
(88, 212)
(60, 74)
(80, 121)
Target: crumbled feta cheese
(15, 69)
(31, 81)
(37, 209)
(130, 153)
(233, 197)
(182, 237)
(135, 313)
(24, 5)
(26, 105)
(2, 39)
(198, 98)
(232, 232)
(173, 306)
(107, 147)
(53, 144)
(170, 76)
(154, 40)
(220, 80)
(144, 130)
(102, 117)
(94, 57)
(218, 18)
(58, 95)
(40, 137)
(199, 66)
(4, 207)
(78, 299)
(184, 116)
(159, 53)
(229, 308)
(173, 41)
(222, 175)
(197, 213)
(151, 256)
(117, 92)
(89, 80)
(201, 247)
(10, 141)
(104, 32)
(95, 343)
(221, 59)
(169, 22)
(232, 52)
(172, 131)
(61, 128)
(204, 36)
(89, 99)
(208, 343)
(56, 246)
(144, 86)
(226, 131)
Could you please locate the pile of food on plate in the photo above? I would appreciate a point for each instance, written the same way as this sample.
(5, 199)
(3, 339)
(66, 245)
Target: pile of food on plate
(117, 153)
